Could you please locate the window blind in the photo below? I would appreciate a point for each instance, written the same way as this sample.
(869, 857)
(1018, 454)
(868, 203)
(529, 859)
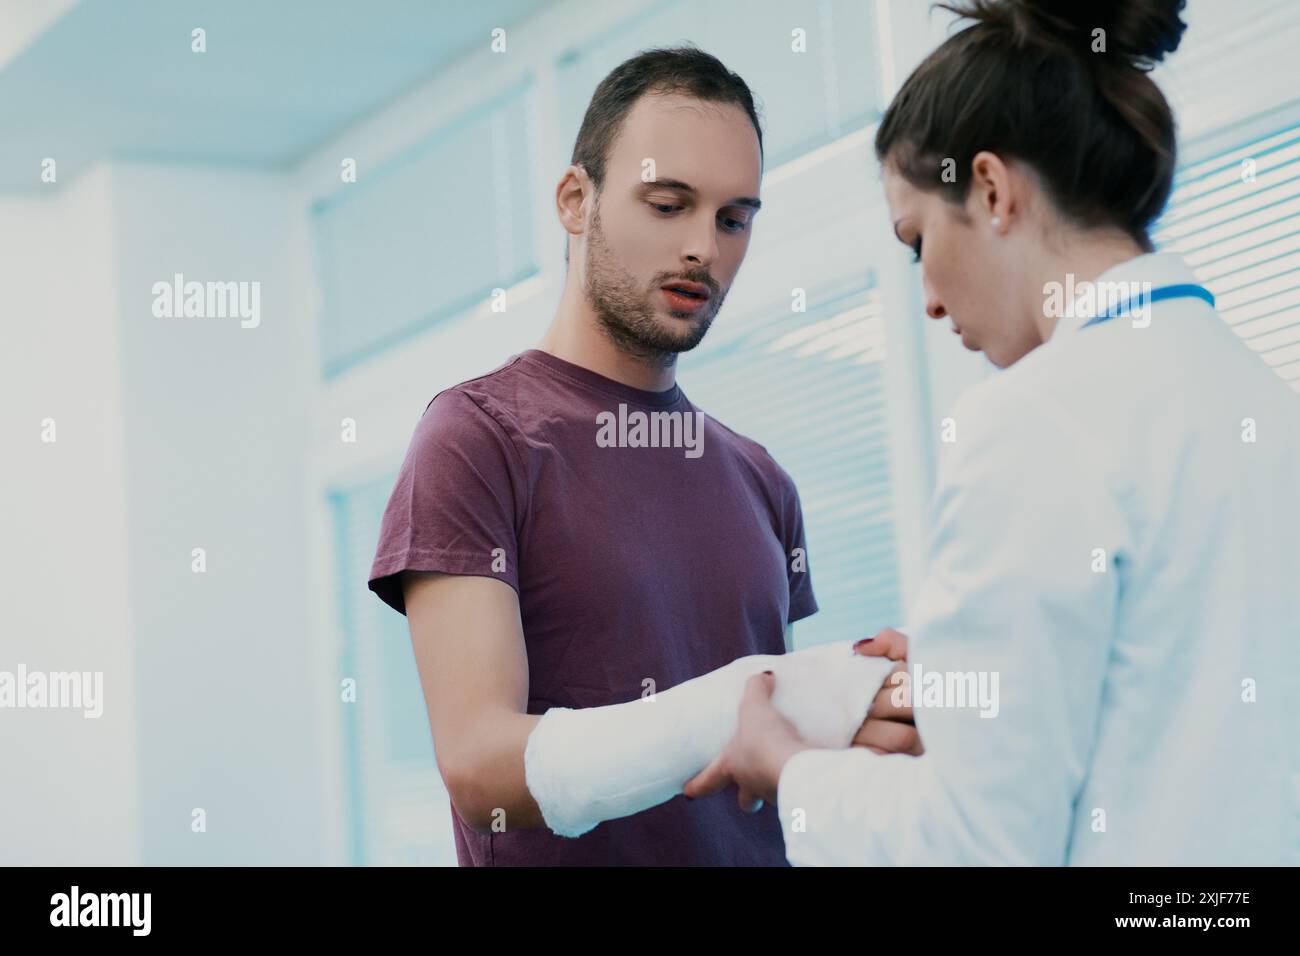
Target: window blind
(426, 236)
(1235, 217)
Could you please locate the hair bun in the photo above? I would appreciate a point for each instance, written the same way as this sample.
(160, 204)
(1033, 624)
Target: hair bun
(1143, 31)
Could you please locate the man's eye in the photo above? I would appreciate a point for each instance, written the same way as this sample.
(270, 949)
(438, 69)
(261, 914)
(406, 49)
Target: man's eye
(733, 225)
(664, 207)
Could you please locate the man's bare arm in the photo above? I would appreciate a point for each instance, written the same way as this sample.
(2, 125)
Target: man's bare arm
(470, 651)
(469, 648)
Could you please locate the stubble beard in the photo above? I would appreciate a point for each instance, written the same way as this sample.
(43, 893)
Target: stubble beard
(626, 313)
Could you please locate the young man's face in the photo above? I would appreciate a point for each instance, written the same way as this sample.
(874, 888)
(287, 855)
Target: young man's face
(689, 223)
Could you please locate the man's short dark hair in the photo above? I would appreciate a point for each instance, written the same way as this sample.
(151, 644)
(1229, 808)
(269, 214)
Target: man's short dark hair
(683, 69)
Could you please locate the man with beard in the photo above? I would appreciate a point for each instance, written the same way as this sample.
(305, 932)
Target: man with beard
(541, 566)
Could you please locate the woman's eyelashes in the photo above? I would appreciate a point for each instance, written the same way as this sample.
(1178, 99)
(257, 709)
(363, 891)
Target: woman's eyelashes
(916, 250)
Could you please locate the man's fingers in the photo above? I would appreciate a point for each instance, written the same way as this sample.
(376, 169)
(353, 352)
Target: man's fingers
(708, 781)
(893, 700)
(888, 643)
(889, 736)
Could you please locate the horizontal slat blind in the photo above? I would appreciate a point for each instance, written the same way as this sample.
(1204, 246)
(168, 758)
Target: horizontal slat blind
(1235, 217)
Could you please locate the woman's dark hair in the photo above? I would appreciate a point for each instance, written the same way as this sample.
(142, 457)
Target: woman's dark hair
(682, 69)
(1062, 87)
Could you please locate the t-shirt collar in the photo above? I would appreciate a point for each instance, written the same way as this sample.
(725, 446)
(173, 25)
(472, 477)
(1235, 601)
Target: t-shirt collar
(616, 389)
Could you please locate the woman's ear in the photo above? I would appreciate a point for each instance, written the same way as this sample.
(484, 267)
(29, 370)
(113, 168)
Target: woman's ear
(571, 195)
(992, 192)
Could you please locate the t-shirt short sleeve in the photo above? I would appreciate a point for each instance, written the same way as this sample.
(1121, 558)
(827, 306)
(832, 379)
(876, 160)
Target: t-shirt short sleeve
(456, 502)
(803, 603)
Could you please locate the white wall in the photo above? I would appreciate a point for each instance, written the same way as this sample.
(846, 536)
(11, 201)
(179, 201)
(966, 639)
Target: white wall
(172, 434)
(217, 422)
(70, 792)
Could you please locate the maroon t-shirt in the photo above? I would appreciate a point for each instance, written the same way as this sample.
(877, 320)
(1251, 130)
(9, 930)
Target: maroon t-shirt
(630, 562)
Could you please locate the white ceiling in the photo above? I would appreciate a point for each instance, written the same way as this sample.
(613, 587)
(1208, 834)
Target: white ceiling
(85, 80)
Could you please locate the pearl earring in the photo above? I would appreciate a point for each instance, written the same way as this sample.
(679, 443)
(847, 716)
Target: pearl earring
(995, 222)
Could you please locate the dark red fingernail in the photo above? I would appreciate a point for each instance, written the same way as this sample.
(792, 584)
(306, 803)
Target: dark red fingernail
(865, 640)
(767, 672)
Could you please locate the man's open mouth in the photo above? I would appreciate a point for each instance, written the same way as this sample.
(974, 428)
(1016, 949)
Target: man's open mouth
(691, 290)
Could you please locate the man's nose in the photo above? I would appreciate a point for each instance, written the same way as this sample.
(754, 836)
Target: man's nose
(701, 246)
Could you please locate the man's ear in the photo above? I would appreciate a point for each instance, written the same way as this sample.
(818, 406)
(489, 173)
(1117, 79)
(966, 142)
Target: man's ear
(992, 191)
(572, 197)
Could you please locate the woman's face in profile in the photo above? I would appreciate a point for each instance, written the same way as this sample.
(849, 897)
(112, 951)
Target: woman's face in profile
(971, 277)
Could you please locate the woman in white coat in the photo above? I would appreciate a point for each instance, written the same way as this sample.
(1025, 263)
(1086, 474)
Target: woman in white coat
(1117, 520)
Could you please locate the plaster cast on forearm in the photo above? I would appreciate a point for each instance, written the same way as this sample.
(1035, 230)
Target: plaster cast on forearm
(600, 763)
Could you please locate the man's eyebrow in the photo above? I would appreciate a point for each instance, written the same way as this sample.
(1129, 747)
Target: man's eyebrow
(753, 202)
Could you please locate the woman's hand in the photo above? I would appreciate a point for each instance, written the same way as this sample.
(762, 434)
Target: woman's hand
(764, 740)
(753, 758)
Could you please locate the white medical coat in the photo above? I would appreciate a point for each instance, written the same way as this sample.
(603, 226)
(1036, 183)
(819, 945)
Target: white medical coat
(1116, 534)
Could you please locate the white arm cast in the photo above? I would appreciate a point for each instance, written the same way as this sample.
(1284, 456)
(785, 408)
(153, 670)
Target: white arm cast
(600, 763)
